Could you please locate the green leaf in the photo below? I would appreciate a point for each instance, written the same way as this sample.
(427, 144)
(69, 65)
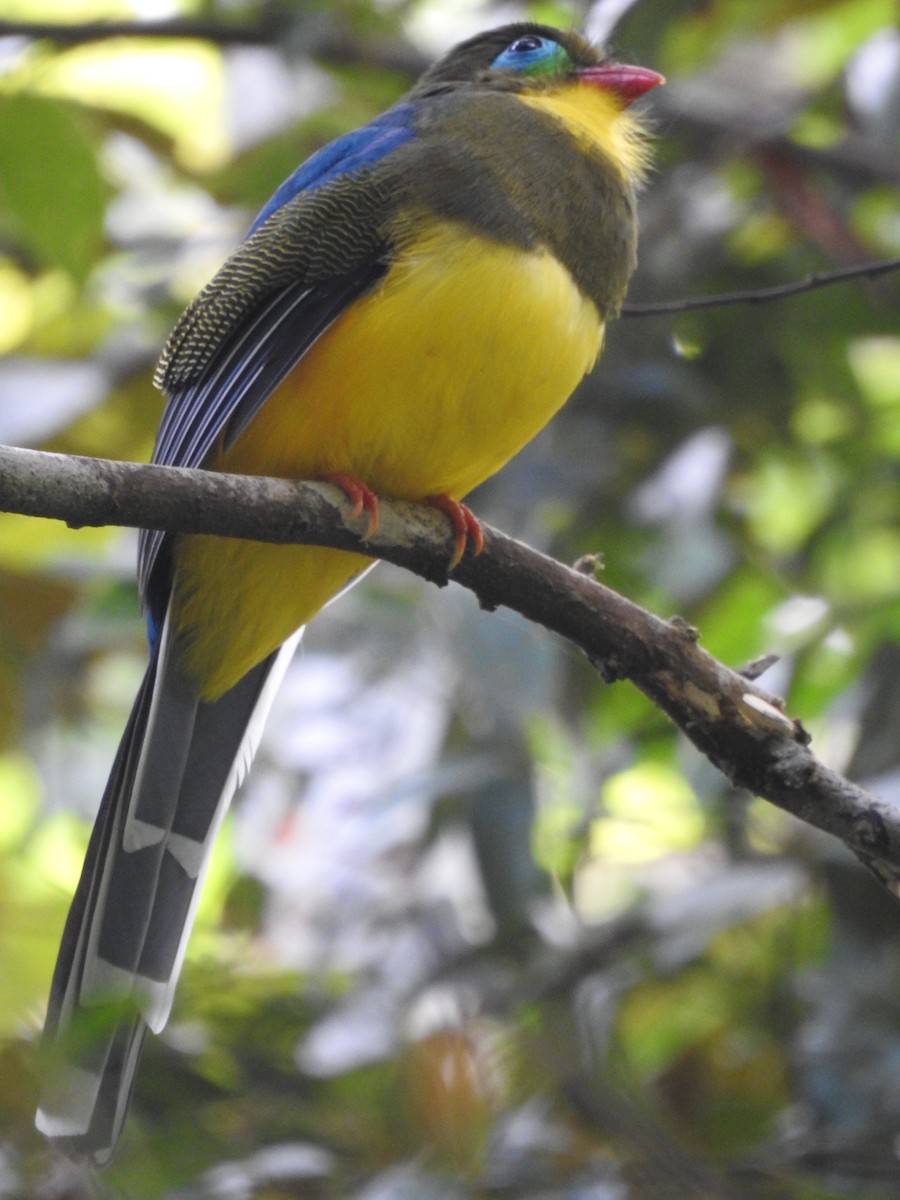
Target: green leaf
(52, 195)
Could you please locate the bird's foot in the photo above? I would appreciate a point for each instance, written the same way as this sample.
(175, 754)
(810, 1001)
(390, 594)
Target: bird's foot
(360, 496)
(464, 523)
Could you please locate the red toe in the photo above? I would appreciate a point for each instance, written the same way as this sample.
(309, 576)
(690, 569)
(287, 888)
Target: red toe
(464, 523)
(360, 496)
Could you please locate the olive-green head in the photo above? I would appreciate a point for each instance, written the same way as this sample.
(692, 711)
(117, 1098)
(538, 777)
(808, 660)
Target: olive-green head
(528, 57)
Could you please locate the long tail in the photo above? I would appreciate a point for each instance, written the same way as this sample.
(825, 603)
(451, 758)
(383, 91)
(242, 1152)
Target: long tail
(178, 764)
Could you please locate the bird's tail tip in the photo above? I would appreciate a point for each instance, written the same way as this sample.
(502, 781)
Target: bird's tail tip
(85, 1093)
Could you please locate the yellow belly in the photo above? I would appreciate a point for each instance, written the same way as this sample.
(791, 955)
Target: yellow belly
(429, 384)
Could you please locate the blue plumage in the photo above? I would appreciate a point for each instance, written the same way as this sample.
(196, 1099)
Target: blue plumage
(355, 150)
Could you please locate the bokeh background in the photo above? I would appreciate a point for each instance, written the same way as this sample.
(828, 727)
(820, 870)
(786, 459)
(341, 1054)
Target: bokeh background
(480, 925)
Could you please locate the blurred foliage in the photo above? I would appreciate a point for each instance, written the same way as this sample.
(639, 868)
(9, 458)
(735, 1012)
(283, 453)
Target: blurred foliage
(481, 925)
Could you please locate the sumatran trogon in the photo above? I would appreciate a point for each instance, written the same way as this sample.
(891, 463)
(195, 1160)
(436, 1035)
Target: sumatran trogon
(412, 305)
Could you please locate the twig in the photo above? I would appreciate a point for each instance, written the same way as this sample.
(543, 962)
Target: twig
(265, 31)
(764, 295)
(321, 38)
(738, 725)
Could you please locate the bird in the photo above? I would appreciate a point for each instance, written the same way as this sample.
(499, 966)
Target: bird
(411, 306)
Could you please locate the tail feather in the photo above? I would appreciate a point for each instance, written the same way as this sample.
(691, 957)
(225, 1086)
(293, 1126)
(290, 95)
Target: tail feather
(84, 1104)
(178, 764)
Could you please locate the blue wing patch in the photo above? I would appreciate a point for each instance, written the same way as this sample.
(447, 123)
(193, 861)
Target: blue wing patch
(359, 148)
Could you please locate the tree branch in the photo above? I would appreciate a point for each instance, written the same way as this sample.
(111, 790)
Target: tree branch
(812, 283)
(321, 38)
(264, 31)
(739, 726)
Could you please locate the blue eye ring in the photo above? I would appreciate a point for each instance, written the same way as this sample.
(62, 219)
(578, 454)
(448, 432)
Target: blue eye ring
(529, 53)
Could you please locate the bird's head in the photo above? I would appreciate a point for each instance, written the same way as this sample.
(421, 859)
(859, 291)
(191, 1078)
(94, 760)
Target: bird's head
(557, 72)
(534, 59)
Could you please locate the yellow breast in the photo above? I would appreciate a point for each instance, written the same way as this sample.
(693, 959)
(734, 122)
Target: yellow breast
(429, 384)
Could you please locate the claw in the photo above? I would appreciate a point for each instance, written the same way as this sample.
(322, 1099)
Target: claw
(464, 523)
(362, 498)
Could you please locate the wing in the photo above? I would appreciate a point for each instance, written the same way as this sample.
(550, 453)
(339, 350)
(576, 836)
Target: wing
(319, 244)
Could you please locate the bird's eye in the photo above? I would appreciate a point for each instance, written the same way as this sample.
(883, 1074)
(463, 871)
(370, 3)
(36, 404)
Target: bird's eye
(525, 45)
(531, 54)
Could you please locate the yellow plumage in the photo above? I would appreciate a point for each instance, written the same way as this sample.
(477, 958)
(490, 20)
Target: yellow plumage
(597, 119)
(430, 384)
(427, 385)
